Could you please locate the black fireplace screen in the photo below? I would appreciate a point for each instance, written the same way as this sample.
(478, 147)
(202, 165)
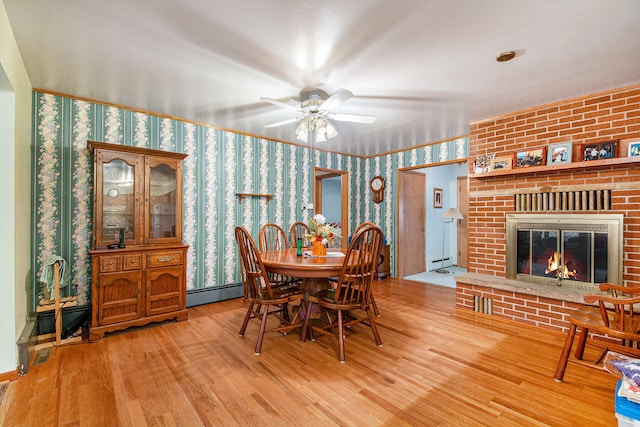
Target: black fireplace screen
(563, 255)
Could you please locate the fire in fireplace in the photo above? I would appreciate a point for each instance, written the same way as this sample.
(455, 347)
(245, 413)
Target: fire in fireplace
(578, 251)
(557, 268)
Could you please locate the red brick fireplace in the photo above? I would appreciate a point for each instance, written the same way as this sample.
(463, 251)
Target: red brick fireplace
(609, 186)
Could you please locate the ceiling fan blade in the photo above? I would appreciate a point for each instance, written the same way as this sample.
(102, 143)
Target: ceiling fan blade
(352, 118)
(283, 122)
(279, 103)
(336, 99)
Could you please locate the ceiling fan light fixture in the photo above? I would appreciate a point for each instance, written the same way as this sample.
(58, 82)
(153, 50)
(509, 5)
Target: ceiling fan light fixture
(316, 112)
(302, 130)
(322, 127)
(331, 131)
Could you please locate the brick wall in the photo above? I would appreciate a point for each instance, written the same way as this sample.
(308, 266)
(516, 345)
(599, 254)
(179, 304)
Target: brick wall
(533, 310)
(599, 117)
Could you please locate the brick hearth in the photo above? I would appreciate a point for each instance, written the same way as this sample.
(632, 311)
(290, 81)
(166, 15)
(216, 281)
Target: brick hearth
(607, 116)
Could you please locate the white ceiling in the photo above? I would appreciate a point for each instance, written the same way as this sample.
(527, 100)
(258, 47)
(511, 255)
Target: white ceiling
(425, 69)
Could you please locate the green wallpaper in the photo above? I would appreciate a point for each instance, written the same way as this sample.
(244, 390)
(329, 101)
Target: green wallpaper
(219, 165)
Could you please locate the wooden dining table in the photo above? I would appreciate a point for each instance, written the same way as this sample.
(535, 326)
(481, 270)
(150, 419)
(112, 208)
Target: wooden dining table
(314, 271)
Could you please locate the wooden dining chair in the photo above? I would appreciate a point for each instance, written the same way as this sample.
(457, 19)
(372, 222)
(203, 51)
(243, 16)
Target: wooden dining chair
(264, 299)
(612, 325)
(357, 229)
(301, 230)
(352, 293)
(363, 225)
(273, 238)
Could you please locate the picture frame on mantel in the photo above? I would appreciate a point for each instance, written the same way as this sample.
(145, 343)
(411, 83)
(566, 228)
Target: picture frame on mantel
(634, 148)
(501, 163)
(483, 163)
(559, 153)
(525, 159)
(599, 150)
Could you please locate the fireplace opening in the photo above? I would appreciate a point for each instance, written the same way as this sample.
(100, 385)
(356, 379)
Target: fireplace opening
(579, 251)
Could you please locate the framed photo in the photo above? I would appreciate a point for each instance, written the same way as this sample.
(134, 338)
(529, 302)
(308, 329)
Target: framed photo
(437, 197)
(483, 163)
(600, 150)
(559, 153)
(525, 159)
(501, 163)
(634, 148)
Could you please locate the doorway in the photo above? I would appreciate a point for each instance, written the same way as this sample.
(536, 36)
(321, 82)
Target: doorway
(428, 241)
(331, 199)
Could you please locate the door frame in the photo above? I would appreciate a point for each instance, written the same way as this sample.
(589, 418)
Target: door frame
(407, 169)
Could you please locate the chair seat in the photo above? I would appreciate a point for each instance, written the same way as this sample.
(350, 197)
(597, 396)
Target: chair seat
(285, 291)
(326, 298)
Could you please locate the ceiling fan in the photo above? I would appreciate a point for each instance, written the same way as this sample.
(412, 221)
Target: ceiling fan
(315, 113)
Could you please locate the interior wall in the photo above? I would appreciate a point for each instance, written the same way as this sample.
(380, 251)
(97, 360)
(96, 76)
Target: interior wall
(614, 115)
(219, 165)
(15, 210)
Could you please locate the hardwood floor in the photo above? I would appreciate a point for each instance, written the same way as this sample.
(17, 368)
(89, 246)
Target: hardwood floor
(438, 366)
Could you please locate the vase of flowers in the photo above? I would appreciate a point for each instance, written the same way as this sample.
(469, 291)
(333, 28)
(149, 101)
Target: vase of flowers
(321, 233)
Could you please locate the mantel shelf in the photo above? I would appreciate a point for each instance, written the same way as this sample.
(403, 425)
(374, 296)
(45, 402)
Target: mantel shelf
(243, 195)
(561, 167)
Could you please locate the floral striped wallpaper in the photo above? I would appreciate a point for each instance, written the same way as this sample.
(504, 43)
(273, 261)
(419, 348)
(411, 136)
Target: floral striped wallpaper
(219, 165)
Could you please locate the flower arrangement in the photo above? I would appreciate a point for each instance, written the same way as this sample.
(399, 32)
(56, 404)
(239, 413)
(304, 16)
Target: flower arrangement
(321, 231)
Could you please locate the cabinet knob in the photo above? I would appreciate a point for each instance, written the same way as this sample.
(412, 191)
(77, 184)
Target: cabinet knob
(110, 262)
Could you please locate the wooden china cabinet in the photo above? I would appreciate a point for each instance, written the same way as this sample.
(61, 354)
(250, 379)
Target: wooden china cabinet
(138, 258)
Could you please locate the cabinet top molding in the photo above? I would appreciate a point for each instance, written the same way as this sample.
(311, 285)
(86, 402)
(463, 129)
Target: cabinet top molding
(95, 145)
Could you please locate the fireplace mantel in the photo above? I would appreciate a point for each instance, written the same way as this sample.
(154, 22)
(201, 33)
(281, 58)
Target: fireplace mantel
(554, 168)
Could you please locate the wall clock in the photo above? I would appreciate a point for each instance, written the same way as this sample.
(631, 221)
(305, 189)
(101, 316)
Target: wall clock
(377, 188)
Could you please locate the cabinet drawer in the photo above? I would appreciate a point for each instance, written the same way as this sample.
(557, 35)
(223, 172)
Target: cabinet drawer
(158, 259)
(109, 264)
(132, 262)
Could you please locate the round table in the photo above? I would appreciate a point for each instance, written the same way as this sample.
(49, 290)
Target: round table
(313, 270)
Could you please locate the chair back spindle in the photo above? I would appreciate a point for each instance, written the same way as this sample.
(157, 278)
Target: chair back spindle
(298, 230)
(272, 238)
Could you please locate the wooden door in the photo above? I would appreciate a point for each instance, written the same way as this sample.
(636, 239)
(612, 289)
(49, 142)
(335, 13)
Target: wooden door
(463, 207)
(412, 201)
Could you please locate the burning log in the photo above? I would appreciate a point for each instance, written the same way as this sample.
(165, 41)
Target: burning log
(555, 267)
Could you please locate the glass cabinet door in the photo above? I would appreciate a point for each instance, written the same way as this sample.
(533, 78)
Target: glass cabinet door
(163, 194)
(117, 193)
(118, 206)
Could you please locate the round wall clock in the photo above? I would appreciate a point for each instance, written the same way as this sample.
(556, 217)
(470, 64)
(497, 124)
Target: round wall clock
(377, 188)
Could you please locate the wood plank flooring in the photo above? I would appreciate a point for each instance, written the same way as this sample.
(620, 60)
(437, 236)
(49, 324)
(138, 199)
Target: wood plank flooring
(438, 366)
